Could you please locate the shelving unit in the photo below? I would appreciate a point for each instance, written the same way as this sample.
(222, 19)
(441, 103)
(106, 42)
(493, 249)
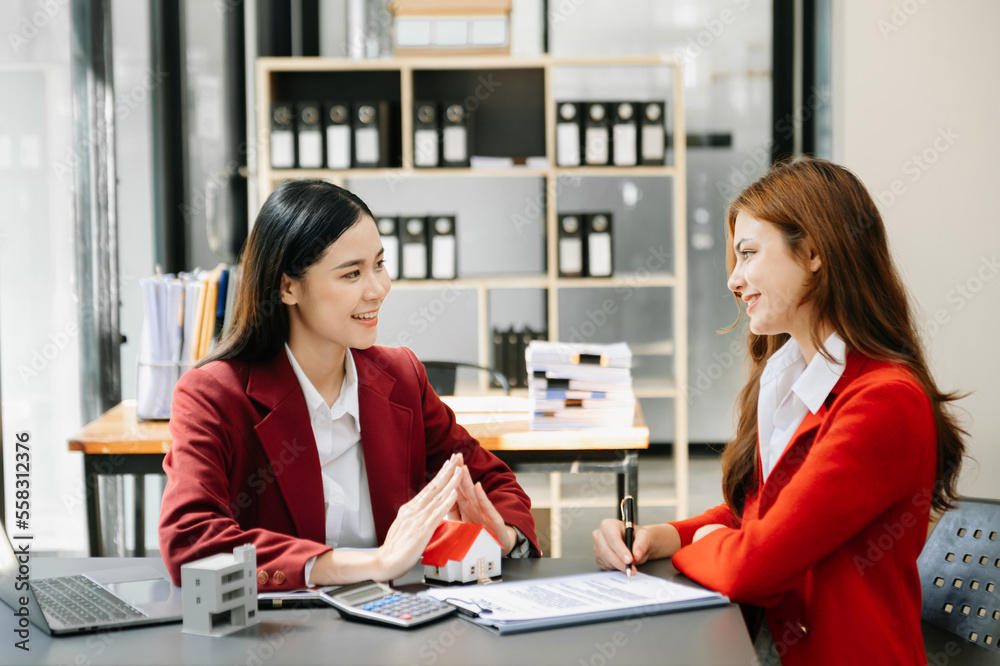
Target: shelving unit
(278, 78)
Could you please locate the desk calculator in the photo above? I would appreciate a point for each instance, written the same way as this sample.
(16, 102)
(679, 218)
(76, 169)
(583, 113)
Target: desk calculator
(380, 604)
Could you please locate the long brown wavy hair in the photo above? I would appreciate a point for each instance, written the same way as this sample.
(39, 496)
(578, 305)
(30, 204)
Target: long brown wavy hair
(857, 290)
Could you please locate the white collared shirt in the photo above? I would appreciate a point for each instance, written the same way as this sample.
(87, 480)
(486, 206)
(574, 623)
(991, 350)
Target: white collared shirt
(789, 389)
(337, 431)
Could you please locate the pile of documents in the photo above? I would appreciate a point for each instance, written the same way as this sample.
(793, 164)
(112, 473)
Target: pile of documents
(184, 316)
(573, 386)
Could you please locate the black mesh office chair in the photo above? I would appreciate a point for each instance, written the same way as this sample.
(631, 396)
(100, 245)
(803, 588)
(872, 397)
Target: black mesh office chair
(443, 374)
(960, 573)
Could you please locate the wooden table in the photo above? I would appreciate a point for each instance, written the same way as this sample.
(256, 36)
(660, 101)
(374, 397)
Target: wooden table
(118, 443)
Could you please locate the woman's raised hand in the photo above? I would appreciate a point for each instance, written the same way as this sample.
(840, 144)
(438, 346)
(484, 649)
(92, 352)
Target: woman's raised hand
(416, 521)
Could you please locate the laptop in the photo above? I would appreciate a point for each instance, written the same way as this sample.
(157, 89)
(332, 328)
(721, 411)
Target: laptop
(116, 598)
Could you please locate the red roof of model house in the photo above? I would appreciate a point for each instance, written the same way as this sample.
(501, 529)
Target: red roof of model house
(451, 541)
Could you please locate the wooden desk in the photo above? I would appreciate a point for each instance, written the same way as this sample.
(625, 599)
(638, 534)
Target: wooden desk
(117, 443)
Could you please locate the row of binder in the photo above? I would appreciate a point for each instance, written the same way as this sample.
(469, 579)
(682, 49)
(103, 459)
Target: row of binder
(585, 245)
(419, 247)
(610, 133)
(184, 317)
(508, 352)
(440, 134)
(333, 135)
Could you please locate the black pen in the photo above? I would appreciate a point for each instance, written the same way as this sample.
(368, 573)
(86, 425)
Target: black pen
(628, 514)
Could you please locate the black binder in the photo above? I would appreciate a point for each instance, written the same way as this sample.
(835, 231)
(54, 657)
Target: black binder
(370, 143)
(571, 247)
(282, 135)
(413, 235)
(388, 229)
(309, 135)
(426, 135)
(511, 357)
(500, 352)
(625, 135)
(599, 248)
(653, 137)
(337, 117)
(454, 136)
(596, 134)
(443, 247)
(567, 134)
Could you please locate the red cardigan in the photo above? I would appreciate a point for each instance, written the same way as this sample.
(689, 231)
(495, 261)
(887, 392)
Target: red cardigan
(243, 465)
(829, 545)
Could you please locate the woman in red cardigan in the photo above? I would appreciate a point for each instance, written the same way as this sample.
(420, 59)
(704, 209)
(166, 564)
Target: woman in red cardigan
(844, 443)
(333, 456)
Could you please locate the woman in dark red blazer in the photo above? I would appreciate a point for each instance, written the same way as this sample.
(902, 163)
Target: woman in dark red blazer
(245, 464)
(844, 443)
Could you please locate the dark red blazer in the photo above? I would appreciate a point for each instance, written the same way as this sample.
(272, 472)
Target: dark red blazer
(829, 545)
(243, 465)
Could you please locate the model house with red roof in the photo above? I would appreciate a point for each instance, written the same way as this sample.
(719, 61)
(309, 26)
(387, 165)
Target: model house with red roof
(461, 553)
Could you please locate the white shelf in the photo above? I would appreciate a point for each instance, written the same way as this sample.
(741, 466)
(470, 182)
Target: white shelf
(268, 73)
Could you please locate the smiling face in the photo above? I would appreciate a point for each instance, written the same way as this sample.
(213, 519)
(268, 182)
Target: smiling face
(336, 302)
(771, 280)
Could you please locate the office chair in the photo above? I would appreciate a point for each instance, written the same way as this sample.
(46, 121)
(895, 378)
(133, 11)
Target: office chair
(960, 572)
(442, 376)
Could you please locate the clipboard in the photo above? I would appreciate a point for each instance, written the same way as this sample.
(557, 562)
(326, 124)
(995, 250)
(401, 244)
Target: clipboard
(563, 600)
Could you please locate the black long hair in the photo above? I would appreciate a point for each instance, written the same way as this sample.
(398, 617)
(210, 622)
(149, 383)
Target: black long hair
(296, 224)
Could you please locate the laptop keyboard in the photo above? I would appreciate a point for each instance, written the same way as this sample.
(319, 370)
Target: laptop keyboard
(77, 600)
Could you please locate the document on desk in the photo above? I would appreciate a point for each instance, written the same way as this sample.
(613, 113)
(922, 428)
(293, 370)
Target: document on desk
(543, 603)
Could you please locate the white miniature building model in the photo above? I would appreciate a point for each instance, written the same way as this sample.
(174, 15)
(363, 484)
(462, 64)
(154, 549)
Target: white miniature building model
(461, 553)
(220, 592)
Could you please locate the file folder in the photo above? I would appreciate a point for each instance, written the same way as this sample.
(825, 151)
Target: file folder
(370, 134)
(599, 254)
(425, 135)
(309, 135)
(454, 136)
(388, 229)
(571, 246)
(282, 136)
(444, 260)
(653, 136)
(338, 135)
(568, 135)
(414, 248)
(597, 134)
(625, 135)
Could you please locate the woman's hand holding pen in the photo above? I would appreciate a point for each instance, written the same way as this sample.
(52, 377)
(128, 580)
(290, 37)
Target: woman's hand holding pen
(650, 542)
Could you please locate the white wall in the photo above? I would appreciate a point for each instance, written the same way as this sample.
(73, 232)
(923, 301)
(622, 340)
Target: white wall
(915, 99)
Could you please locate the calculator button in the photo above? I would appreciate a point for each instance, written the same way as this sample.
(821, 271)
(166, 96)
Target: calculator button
(405, 616)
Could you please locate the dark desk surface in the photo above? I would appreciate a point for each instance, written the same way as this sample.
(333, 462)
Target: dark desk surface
(315, 636)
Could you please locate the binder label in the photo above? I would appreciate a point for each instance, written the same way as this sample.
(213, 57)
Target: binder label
(597, 145)
(282, 149)
(310, 150)
(443, 257)
(568, 144)
(653, 143)
(454, 140)
(425, 148)
(338, 147)
(366, 139)
(625, 136)
(570, 256)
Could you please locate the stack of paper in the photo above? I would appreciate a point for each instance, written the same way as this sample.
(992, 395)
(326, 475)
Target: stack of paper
(184, 317)
(573, 386)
